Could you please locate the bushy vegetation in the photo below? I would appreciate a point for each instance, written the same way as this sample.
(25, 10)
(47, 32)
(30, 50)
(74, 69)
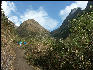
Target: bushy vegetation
(7, 45)
(7, 30)
(73, 53)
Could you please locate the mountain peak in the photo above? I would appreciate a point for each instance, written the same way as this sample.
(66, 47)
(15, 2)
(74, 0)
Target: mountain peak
(75, 10)
(89, 5)
(30, 21)
(31, 27)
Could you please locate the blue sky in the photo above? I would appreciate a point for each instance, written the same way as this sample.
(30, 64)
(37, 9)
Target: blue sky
(49, 14)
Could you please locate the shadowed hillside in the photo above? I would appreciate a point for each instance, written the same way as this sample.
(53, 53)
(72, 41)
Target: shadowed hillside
(63, 30)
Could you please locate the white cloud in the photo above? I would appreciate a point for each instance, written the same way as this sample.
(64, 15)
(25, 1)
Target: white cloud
(8, 7)
(65, 12)
(41, 16)
(15, 19)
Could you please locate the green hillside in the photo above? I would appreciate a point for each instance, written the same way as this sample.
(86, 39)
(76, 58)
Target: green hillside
(74, 52)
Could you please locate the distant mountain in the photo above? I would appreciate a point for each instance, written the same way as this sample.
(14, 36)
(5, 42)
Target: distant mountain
(63, 30)
(31, 28)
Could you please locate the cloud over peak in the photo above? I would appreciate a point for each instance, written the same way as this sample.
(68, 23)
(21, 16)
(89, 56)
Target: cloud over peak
(65, 12)
(41, 16)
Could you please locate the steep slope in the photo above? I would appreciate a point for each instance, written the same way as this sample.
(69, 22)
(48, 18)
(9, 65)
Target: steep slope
(63, 30)
(7, 37)
(76, 51)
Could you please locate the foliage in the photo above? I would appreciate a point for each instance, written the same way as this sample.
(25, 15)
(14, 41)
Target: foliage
(74, 52)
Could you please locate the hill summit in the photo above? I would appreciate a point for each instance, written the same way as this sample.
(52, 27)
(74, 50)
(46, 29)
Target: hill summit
(31, 28)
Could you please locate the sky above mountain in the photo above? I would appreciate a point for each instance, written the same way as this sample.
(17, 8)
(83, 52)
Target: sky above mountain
(49, 14)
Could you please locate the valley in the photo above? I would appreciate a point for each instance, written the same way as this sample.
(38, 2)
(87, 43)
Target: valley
(70, 47)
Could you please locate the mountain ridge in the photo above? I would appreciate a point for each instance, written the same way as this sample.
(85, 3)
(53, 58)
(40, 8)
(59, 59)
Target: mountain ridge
(65, 25)
(63, 30)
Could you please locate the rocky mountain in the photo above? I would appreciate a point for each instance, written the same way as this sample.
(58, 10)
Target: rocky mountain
(89, 5)
(63, 30)
(31, 28)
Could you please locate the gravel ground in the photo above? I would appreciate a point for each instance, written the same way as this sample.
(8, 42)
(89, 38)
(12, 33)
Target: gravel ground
(20, 63)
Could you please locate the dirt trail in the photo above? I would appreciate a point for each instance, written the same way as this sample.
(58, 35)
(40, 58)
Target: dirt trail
(20, 63)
